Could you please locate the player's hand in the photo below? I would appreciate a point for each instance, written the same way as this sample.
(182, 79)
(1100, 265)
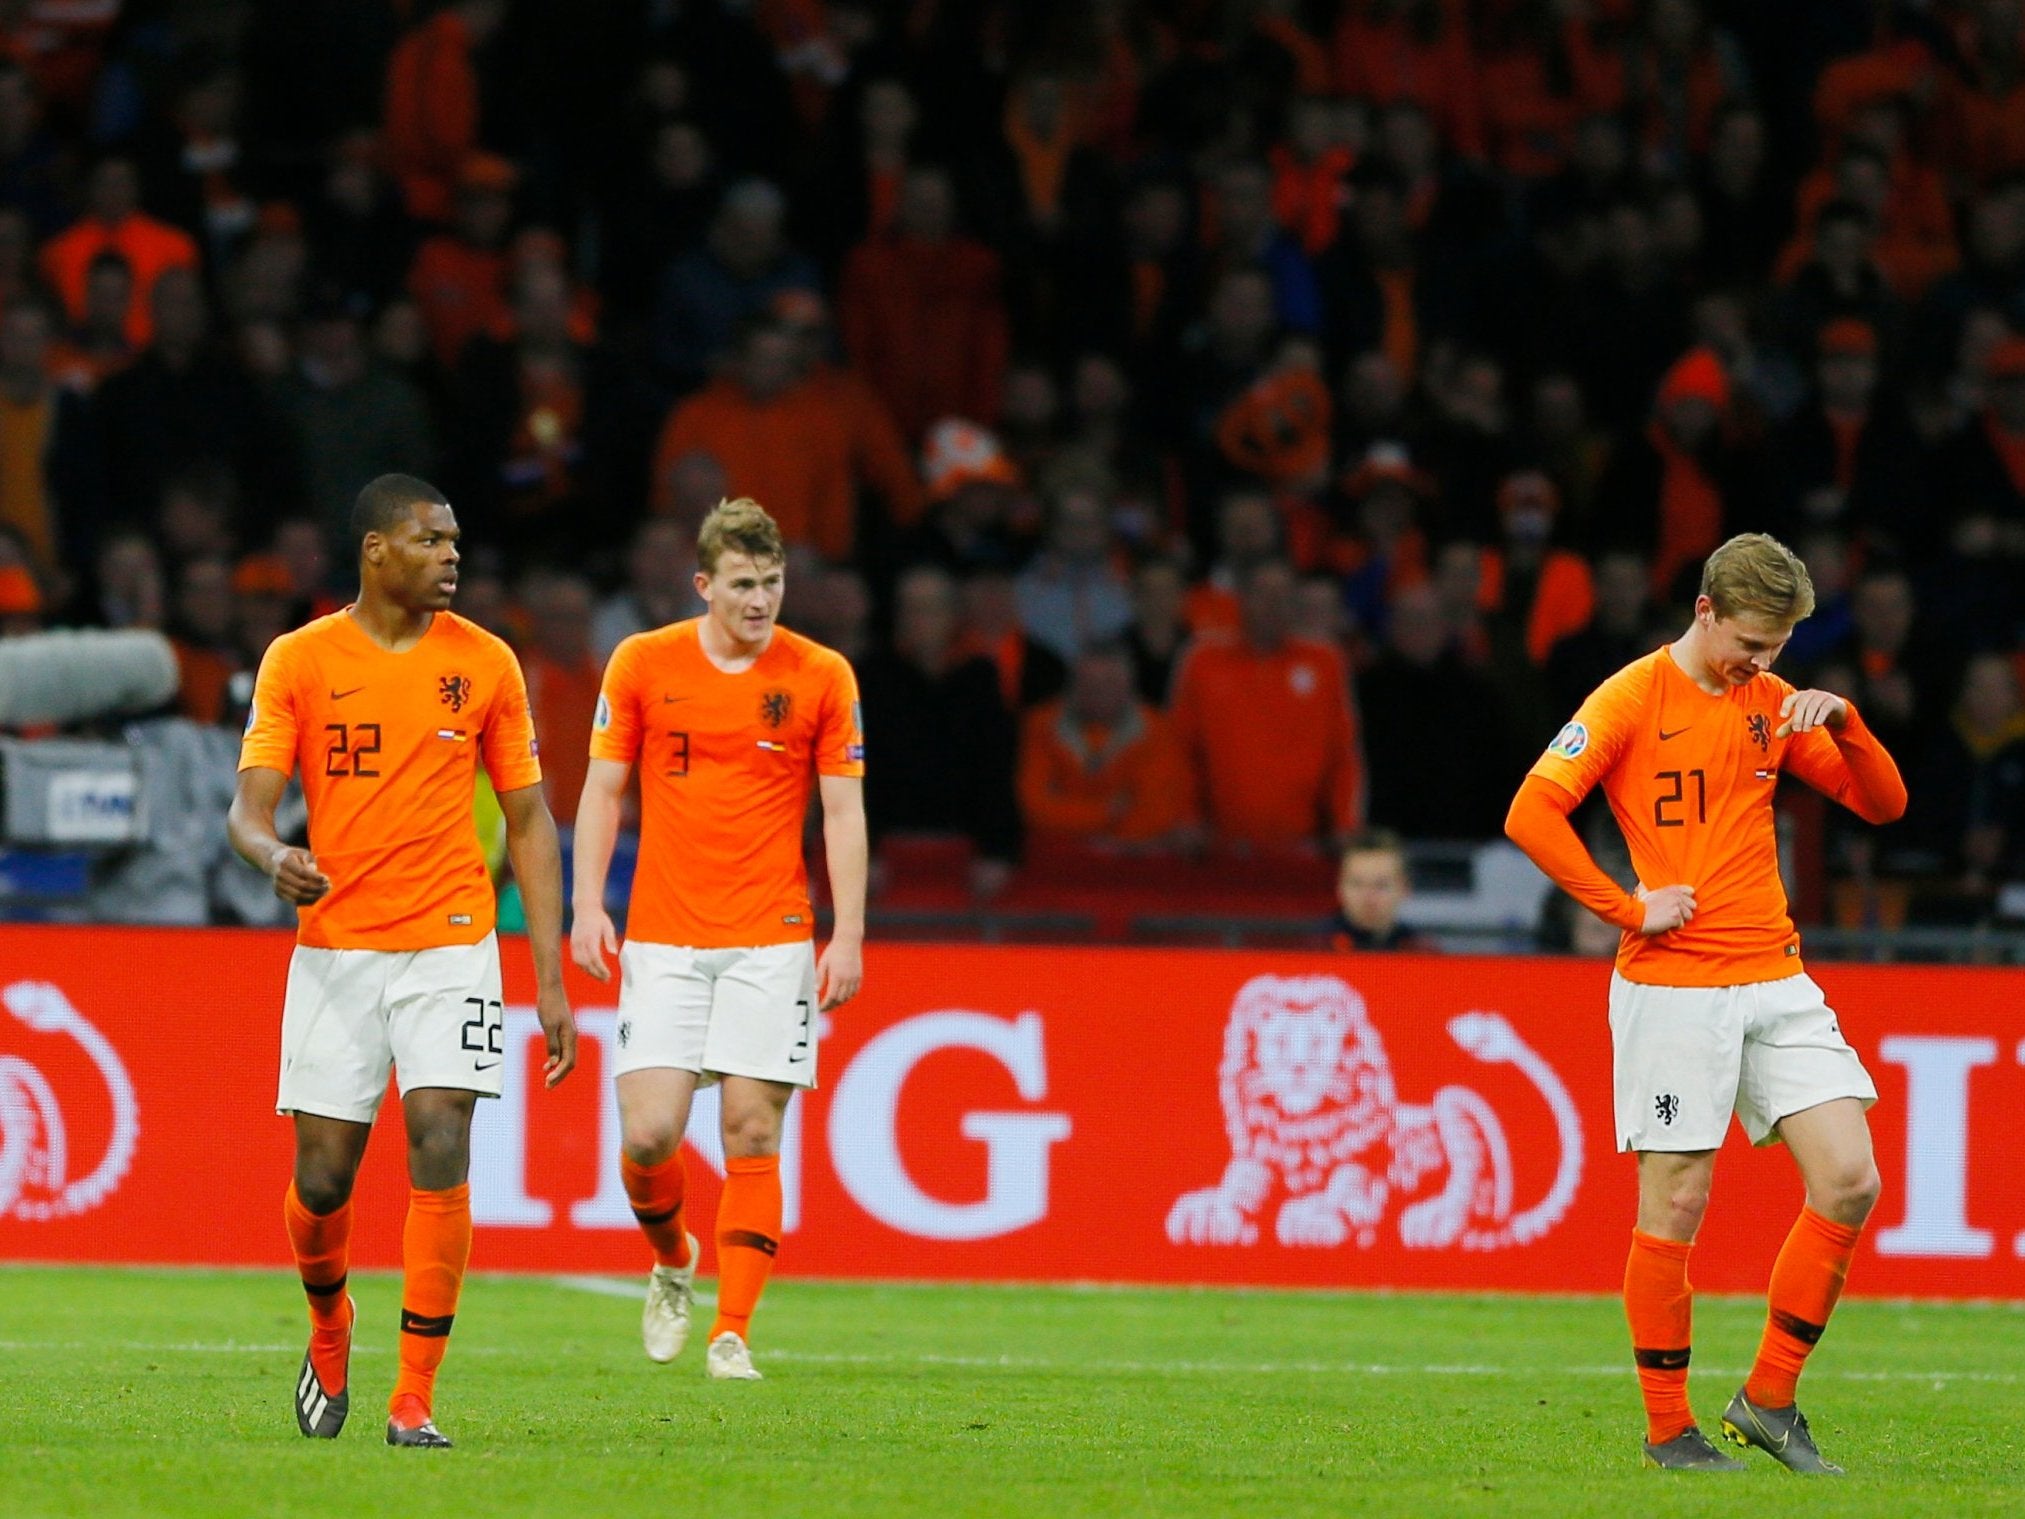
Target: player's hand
(1805, 711)
(296, 878)
(839, 973)
(1666, 909)
(590, 936)
(559, 1028)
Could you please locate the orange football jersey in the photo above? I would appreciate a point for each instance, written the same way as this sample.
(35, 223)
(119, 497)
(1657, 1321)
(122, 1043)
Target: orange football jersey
(727, 763)
(1690, 777)
(388, 745)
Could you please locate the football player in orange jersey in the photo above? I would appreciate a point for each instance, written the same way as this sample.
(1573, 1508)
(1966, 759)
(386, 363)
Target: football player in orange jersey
(733, 722)
(386, 709)
(1710, 1010)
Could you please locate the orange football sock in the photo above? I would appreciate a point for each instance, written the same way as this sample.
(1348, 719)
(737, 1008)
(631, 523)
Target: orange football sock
(656, 1193)
(322, 1244)
(435, 1245)
(1806, 1280)
(748, 1234)
(1659, 1304)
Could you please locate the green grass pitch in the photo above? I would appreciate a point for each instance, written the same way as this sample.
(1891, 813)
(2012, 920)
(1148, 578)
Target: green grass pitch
(167, 1393)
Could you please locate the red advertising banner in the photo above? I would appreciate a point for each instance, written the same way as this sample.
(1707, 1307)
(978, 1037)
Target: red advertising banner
(1029, 1114)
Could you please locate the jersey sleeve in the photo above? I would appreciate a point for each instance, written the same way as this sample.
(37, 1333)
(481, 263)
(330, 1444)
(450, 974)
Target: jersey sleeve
(273, 718)
(1591, 742)
(840, 723)
(1851, 767)
(615, 727)
(508, 744)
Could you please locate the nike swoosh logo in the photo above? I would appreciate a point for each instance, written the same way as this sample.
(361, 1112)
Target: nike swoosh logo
(1664, 735)
(673, 699)
(485, 1067)
(341, 695)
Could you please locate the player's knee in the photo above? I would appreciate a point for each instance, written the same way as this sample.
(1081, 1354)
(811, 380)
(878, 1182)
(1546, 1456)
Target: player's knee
(1851, 1194)
(439, 1156)
(756, 1132)
(1686, 1202)
(648, 1138)
(322, 1188)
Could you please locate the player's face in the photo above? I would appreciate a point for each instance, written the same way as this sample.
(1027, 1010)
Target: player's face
(1371, 889)
(744, 596)
(416, 563)
(1740, 648)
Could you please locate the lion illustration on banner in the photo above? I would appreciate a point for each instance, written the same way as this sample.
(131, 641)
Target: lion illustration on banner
(1314, 1119)
(35, 1181)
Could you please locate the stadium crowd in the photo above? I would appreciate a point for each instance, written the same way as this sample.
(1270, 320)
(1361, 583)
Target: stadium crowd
(1208, 425)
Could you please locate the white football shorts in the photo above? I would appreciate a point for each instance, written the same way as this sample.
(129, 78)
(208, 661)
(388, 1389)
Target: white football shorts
(1683, 1058)
(432, 1016)
(719, 1012)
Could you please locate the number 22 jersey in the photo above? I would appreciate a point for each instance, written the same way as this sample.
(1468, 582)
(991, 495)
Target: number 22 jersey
(388, 745)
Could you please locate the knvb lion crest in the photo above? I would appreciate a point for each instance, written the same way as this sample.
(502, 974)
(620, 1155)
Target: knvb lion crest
(774, 708)
(1316, 1125)
(454, 691)
(35, 1159)
(1760, 727)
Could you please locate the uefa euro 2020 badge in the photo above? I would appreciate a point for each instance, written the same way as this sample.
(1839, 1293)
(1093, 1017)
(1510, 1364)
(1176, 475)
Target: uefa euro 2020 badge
(1570, 741)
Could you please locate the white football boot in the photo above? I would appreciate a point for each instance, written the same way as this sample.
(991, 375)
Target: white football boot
(729, 1360)
(664, 1322)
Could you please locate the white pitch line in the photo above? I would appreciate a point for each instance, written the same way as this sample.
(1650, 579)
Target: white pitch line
(1082, 1367)
(605, 1286)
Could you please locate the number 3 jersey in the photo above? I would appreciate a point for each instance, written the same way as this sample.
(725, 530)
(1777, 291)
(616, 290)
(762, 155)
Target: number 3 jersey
(388, 745)
(727, 764)
(1690, 778)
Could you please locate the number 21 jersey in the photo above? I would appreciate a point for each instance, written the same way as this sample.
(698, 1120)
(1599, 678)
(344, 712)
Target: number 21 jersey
(1690, 778)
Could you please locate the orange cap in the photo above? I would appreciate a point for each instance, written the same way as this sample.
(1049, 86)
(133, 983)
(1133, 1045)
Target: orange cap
(959, 453)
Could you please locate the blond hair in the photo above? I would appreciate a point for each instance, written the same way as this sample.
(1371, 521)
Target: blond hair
(738, 527)
(1755, 575)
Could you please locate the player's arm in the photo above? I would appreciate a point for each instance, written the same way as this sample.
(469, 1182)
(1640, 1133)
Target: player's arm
(1834, 751)
(595, 835)
(1582, 754)
(841, 970)
(1538, 823)
(250, 826)
(536, 852)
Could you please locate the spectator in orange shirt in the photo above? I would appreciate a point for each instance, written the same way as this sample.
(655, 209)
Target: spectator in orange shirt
(1099, 766)
(778, 440)
(113, 221)
(875, 452)
(1372, 884)
(458, 278)
(1265, 722)
(923, 312)
(563, 677)
(433, 102)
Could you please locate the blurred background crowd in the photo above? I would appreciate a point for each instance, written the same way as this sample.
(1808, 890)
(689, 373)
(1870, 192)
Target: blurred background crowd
(1212, 427)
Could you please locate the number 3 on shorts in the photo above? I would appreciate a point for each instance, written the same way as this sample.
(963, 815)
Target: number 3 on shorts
(801, 1050)
(484, 1030)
